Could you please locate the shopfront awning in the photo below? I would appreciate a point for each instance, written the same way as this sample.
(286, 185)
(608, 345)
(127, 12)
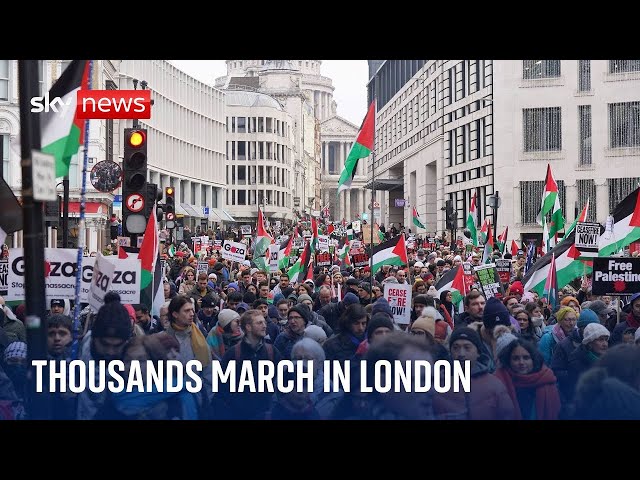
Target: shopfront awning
(181, 211)
(388, 184)
(215, 215)
(191, 210)
(228, 216)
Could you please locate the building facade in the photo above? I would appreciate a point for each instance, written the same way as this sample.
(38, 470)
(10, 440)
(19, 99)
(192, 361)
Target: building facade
(581, 117)
(446, 130)
(98, 207)
(187, 140)
(258, 157)
(321, 145)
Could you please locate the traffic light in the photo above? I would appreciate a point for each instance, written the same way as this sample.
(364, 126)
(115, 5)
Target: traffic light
(170, 207)
(154, 196)
(451, 219)
(134, 186)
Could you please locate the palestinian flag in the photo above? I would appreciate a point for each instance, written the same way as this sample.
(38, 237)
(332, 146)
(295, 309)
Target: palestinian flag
(472, 221)
(416, 219)
(625, 228)
(581, 218)
(150, 267)
(488, 246)
(297, 270)
(308, 273)
(391, 252)
(453, 280)
(314, 233)
(361, 149)
(548, 197)
(343, 253)
(550, 204)
(380, 234)
(502, 240)
(263, 239)
(284, 253)
(483, 231)
(514, 249)
(350, 234)
(62, 132)
(567, 264)
(550, 291)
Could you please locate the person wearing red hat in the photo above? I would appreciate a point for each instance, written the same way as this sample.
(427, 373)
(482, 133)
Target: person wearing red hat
(517, 289)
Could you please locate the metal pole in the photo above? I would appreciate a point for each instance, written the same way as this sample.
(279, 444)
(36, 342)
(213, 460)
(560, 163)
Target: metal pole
(495, 210)
(65, 212)
(373, 199)
(38, 405)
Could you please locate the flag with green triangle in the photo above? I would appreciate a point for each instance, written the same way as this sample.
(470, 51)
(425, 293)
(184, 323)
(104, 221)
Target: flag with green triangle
(472, 221)
(362, 148)
(581, 218)
(453, 281)
(416, 219)
(502, 240)
(623, 226)
(62, 132)
(391, 252)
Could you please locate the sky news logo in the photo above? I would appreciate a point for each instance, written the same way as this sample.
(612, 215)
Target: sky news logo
(100, 104)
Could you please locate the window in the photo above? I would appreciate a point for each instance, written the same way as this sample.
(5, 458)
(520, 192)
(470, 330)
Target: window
(584, 126)
(624, 124)
(233, 124)
(619, 188)
(624, 66)
(233, 150)
(242, 197)
(261, 124)
(242, 125)
(4, 79)
(531, 198)
(332, 159)
(242, 175)
(269, 125)
(584, 75)
(587, 191)
(542, 129)
(534, 69)
(242, 150)
(4, 156)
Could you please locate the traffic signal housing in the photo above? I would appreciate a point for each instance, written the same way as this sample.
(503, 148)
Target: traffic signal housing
(134, 186)
(451, 219)
(170, 207)
(154, 196)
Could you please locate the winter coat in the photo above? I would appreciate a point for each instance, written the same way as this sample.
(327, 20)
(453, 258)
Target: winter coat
(560, 364)
(487, 398)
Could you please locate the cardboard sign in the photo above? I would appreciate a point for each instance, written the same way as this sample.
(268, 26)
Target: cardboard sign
(356, 226)
(203, 267)
(615, 276)
(100, 282)
(587, 238)
(489, 280)
(245, 229)
(399, 298)
(234, 251)
(323, 243)
(217, 245)
(4, 276)
(469, 277)
(124, 241)
(504, 269)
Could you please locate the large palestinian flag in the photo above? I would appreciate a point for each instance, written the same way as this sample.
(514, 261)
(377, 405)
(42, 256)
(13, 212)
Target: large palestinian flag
(391, 252)
(62, 132)
(625, 228)
(568, 266)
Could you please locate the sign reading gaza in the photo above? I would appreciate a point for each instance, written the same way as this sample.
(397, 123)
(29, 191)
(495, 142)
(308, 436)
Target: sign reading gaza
(615, 276)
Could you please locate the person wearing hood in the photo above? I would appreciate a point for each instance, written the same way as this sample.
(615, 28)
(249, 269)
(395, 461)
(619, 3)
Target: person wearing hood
(225, 334)
(446, 304)
(13, 328)
(487, 398)
(316, 318)
(334, 310)
(442, 329)
(298, 318)
(632, 319)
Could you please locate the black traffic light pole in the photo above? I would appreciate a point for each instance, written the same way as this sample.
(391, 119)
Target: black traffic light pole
(38, 404)
(135, 183)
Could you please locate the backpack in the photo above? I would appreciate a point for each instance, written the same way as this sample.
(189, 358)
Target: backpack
(237, 350)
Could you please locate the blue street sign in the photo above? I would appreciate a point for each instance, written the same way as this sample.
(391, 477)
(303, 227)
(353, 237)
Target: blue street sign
(205, 210)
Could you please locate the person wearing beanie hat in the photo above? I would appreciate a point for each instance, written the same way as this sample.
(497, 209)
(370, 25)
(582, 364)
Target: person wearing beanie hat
(299, 316)
(364, 292)
(571, 301)
(503, 337)
(15, 353)
(517, 289)
(554, 334)
(379, 326)
(495, 313)
(433, 293)
(487, 398)
(596, 337)
(304, 297)
(381, 305)
(226, 333)
(315, 333)
(424, 325)
(606, 315)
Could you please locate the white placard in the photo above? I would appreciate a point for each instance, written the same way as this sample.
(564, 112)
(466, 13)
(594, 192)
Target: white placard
(399, 298)
(234, 251)
(44, 176)
(356, 226)
(101, 279)
(323, 243)
(4, 275)
(274, 250)
(587, 238)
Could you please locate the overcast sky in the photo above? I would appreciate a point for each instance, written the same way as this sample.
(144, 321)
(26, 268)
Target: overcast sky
(349, 79)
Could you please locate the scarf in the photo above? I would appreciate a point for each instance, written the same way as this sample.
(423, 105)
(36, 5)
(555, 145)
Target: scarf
(558, 333)
(547, 397)
(632, 321)
(198, 343)
(135, 402)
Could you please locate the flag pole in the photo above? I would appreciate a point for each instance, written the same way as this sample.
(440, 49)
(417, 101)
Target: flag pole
(373, 199)
(81, 228)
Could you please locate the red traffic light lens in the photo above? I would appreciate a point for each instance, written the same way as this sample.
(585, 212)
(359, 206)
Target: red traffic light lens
(137, 138)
